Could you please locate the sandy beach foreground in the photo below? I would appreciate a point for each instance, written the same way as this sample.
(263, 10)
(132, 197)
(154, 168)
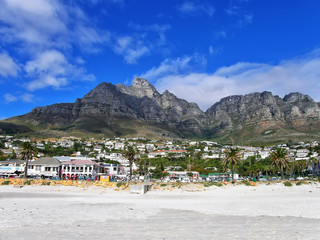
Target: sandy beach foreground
(230, 212)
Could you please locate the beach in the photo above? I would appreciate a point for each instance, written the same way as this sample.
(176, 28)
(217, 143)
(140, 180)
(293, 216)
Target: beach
(230, 212)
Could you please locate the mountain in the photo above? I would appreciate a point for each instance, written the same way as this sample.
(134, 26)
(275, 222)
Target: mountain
(260, 117)
(140, 110)
(119, 110)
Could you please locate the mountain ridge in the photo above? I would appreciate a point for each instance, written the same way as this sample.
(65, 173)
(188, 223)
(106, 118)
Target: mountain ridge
(140, 109)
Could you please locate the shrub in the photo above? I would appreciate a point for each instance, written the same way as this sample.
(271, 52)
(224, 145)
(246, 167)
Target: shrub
(6, 183)
(163, 185)
(246, 183)
(287, 184)
(209, 184)
(119, 184)
(28, 182)
(299, 183)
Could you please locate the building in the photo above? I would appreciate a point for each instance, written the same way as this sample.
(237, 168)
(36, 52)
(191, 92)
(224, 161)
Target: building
(224, 177)
(78, 169)
(159, 153)
(183, 176)
(111, 169)
(44, 167)
(11, 168)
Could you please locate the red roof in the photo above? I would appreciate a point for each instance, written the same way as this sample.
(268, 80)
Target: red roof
(159, 151)
(179, 151)
(172, 151)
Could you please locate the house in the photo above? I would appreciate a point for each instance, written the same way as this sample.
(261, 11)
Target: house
(77, 169)
(178, 153)
(183, 176)
(159, 153)
(111, 169)
(44, 167)
(11, 167)
(210, 155)
(222, 176)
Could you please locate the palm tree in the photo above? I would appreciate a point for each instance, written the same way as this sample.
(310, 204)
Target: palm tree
(280, 159)
(232, 157)
(315, 163)
(130, 155)
(27, 152)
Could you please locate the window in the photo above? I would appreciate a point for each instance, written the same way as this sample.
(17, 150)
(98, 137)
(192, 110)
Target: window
(47, 169)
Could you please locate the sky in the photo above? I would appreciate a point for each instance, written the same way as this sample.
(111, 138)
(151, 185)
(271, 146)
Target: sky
(200, 50)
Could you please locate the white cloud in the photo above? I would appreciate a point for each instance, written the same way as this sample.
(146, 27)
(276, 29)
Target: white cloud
(301, 74)
(35, 6)
(211, 51)
(131, 48)
(7, 66)
(22, 22)
(40, 30)
(236, 10)
(49, 69)
(175, 66)
(43, 24)
(90, 39)
(52, 69)
(193, 8)
(27, 97)
(8, 98)
(139, 44)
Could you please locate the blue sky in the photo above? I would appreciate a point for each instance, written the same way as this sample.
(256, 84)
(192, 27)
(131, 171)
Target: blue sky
(57, 51)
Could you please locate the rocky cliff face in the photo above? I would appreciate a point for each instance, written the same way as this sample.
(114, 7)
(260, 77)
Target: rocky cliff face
(251, 114)
(140, 101)
(263, 111)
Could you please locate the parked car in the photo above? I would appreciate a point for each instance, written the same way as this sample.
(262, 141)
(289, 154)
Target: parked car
(274, 179)
(262, 179)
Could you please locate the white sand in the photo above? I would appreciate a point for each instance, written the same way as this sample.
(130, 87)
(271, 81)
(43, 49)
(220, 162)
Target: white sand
(231, 212)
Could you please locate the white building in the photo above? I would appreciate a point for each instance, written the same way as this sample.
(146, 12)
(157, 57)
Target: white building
(80, 168)
(111, 169)
(159, 153)
(44, 167)
(11, 167)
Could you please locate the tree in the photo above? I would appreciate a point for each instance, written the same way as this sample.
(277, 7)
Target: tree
(13, 155)
(2, 155)
(315, 164)
(27, 152)
(232, 158)
(280, 159)
(190, 175)
(130, 155)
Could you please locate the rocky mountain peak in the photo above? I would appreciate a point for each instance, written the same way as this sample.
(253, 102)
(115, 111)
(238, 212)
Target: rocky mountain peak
(296, 96)
(102, 93)
(139, 88)
(140, 82)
